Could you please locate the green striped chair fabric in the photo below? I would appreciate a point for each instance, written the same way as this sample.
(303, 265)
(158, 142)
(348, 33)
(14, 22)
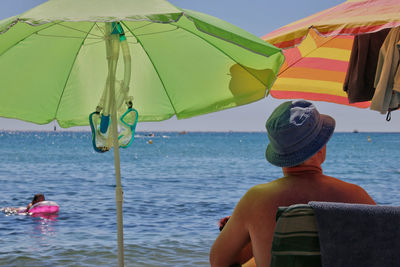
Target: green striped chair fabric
(295, 242)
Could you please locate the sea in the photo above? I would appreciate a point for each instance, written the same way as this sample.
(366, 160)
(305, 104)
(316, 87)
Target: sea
(176, 188)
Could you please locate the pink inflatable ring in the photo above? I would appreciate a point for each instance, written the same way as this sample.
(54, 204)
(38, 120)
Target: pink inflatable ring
(44, 207)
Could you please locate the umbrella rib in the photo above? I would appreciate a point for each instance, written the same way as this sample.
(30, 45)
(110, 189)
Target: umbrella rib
(100, 29)
(150, 23)
(303, 56)
(93, 43)
(87, 33)
(35, 32)
(47, 35)
(151, 33)
(69, 74)
(152, 63)
(145, 25)
(63, 36)
(222, 50)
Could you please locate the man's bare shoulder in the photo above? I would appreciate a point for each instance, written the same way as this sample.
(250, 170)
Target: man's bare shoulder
(266, 187)
(266, 192)
(348, 185)
(352, 192)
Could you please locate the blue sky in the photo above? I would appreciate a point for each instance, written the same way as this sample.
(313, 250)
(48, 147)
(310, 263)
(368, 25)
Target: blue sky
(258, 17)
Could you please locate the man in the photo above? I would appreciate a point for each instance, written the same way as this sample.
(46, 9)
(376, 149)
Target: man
(298, 135)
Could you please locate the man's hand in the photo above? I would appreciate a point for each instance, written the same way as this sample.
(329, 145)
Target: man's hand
(222, 222)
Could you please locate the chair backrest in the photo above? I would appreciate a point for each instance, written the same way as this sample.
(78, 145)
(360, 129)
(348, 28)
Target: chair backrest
(296, 242)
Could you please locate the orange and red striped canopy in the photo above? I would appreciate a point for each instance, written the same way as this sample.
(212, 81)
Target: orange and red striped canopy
(317, 48)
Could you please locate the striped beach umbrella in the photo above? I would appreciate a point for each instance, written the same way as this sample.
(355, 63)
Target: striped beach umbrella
(317, 48)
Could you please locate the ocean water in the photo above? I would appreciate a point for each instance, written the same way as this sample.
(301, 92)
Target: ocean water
(175, 190)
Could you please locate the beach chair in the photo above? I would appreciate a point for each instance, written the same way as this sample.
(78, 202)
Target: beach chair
(295, 241)
(336, 234)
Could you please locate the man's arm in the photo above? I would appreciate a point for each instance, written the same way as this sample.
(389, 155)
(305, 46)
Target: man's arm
(233, 244)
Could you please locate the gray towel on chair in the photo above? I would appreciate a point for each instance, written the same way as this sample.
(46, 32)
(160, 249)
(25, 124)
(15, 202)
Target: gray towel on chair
(353, 235)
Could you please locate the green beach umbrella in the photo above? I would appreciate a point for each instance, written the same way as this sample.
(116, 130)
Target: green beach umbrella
(59, 59)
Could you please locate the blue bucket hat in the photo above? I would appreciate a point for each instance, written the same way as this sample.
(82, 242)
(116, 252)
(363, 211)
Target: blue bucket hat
(296, 131)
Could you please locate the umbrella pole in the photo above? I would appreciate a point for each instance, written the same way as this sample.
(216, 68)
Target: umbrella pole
(113, 45)
(118, 187)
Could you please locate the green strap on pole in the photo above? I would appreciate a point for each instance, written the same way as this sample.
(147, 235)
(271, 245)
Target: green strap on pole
(117, 29)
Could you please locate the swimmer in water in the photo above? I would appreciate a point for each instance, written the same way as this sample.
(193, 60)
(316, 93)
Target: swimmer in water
(36, 198)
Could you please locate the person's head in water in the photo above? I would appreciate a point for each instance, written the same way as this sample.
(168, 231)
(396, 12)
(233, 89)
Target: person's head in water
(37, 198)
(296, 132)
